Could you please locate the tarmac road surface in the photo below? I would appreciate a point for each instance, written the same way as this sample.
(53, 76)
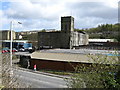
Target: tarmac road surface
(35, 80)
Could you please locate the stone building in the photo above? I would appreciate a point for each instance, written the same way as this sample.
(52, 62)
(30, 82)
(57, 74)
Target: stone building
(79, 38)
(6, 34)
(67, 24)
(53, 39)
(66, 38)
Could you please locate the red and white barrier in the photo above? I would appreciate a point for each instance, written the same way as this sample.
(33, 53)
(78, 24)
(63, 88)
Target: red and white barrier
(35, 67)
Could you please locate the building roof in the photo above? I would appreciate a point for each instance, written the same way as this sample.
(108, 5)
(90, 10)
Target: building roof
(82, 32)
(24, 41)
(6, 31)
(68, 57)
(67, 16)
(101, 40)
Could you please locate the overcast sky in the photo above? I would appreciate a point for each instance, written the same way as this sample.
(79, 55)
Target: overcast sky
(46, 14)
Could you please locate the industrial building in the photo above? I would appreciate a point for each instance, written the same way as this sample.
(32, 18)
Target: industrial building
(6, 34)
(66, 38)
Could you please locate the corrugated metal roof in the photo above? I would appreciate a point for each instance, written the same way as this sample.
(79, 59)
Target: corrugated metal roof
(67, 57)
(101, 40)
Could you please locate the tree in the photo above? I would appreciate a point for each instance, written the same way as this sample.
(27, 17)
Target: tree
(43, 30)
(106, 29)
(103, 73)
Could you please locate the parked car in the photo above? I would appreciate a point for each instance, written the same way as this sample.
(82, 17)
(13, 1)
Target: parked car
(14, 50)
(31, 50)
(22, 50)
(5, 50)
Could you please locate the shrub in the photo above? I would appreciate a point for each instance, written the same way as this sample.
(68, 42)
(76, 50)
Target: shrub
(102, 73)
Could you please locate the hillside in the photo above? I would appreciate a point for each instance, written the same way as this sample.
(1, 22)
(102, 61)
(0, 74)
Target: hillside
(104, 31)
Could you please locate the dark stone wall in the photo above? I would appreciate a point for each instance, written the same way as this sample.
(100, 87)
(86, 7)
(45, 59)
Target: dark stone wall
(67, 24)
(24, 61)
(54, 39)
(55, 65)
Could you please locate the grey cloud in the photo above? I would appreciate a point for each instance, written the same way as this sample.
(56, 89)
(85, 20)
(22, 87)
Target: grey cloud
(40, 24)
(30, 11)
(83, 5)
(38, 15)
(93, 9)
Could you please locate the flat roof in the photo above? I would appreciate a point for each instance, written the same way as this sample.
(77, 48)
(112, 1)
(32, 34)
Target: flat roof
(70, 57)
(16, 41)
(66, 16)
(101, 40)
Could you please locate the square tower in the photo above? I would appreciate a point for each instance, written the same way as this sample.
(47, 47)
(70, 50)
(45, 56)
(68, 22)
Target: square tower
(67, 24)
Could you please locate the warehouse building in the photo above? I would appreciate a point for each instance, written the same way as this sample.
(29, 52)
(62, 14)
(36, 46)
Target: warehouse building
(66, 38)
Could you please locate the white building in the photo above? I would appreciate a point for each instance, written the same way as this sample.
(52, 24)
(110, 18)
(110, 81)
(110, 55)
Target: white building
(79, 38)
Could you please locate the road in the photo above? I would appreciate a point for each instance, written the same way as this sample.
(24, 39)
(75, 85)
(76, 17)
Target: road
(37, 80)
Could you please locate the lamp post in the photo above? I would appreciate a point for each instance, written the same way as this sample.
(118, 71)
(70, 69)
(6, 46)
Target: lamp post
(11, 40)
